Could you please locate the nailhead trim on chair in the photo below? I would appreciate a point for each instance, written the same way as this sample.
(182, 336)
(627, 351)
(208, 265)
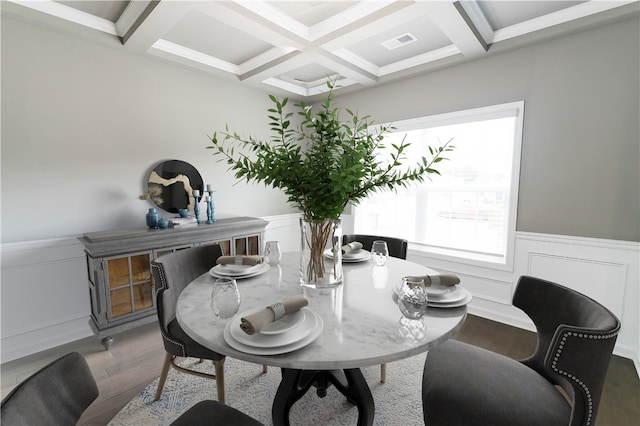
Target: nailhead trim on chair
(163, 287)
(556, 358)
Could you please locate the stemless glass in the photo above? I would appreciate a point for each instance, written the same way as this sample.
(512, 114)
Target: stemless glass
(272, 252)
(225, 297)
(379, 252)
(412, 298)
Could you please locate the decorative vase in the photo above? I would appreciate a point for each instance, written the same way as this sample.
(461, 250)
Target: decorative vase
(152, 218)
(316, 238)
(163, 223)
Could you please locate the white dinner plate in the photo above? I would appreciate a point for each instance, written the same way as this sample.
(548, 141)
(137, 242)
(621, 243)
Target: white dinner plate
(439, 291)
(454, 294)
(278, 349)
(353, 256)
(284, 324)
(454, 298)
(438, 304)
(220, 271)
(259, 340)
(233, 269)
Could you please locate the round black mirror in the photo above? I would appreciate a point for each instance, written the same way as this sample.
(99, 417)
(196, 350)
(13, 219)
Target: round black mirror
(171, 183)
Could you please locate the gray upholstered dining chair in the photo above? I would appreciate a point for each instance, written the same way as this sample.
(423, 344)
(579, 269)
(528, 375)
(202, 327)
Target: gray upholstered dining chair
(397, 248)
(172, 273)
(57, 394)
(210, 412)
(560, 384)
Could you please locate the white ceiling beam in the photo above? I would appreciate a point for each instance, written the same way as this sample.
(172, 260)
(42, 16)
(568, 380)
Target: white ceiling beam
(236, 16)
(418, 60)
(152, 28)
(581, 10)
(131, 15)
(186, 55)
(445, 15)
(370, 29)
(351, 16)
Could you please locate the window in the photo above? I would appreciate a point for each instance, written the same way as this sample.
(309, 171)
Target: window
(469, 211)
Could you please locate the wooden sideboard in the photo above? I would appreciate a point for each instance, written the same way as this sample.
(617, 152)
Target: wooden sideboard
(121, 287)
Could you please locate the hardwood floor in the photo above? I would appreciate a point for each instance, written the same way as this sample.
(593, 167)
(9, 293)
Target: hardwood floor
(136, 356)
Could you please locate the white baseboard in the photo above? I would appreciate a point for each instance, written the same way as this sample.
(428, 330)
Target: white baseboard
(35, 341)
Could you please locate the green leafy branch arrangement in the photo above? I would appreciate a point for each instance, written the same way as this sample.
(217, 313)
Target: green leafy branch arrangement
(323, 163)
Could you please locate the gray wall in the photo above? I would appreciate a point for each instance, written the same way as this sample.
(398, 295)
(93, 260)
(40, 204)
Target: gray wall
(580, 156)
(82, 124)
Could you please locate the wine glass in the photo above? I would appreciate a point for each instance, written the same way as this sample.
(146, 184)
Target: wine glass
(379, 252)
(225, 297)
(272, 252)
(412, 297)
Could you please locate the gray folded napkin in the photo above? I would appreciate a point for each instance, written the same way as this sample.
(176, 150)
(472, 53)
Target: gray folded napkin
(352, 246)
(440, 280)
(240, 260)
(257, 321)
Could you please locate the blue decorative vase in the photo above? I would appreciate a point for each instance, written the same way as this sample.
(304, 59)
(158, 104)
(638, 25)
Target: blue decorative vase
(163, 223)
(152, 218)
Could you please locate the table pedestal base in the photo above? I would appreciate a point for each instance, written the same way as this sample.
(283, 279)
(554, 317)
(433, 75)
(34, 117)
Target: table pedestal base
(295, 383)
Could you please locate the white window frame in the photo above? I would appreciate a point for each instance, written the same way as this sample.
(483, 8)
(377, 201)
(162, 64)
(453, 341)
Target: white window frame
(511, 109)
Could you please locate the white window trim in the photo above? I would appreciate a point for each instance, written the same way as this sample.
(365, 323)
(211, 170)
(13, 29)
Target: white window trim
(506, 262)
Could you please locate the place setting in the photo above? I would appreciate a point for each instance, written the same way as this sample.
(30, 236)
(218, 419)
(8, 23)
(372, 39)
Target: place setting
(351, 253)
(439, 291)
(279, 328)
(239, 267)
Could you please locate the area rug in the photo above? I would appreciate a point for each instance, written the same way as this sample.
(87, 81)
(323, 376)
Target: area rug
(397, 402)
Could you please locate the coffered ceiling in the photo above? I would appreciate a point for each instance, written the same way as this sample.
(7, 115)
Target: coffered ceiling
(292, 47)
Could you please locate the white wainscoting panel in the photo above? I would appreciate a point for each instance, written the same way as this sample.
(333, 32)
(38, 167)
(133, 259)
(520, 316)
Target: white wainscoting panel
(284, 229)
(44, 296)
(602, 281)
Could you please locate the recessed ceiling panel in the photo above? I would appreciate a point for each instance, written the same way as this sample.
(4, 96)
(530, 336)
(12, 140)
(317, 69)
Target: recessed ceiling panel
(502, 14)
(308, 75)
(110, 10)
(428, 36)
(311, 13)
(215, 38)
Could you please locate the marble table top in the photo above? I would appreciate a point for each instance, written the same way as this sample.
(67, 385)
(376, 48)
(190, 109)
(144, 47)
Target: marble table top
(363, 325)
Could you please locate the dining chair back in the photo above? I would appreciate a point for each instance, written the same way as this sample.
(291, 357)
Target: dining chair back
(172, 273)
(57, 394)
(397, 246)
(559, 384)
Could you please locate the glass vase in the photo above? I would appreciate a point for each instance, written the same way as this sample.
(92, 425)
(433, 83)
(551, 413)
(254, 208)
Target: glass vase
(321, 253)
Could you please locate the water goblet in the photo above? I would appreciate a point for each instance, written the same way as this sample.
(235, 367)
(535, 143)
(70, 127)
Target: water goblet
(225, 297)
(412, 297)
(379, 252)
(272, 252)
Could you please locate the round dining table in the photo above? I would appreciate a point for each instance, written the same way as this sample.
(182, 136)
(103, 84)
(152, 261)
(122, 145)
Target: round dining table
(361, 322)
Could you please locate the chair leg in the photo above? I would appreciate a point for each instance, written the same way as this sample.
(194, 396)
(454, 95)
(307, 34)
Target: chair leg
(383, 373)
(219, 366)
(264, 369)
(163, 375)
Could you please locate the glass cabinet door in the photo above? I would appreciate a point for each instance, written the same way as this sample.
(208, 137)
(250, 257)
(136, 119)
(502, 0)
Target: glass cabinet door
(247, 245)
(129, 284)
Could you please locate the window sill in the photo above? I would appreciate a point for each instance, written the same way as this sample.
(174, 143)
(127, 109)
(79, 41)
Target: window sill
(502, 263)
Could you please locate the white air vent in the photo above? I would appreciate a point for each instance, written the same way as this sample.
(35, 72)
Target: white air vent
(401, 40)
